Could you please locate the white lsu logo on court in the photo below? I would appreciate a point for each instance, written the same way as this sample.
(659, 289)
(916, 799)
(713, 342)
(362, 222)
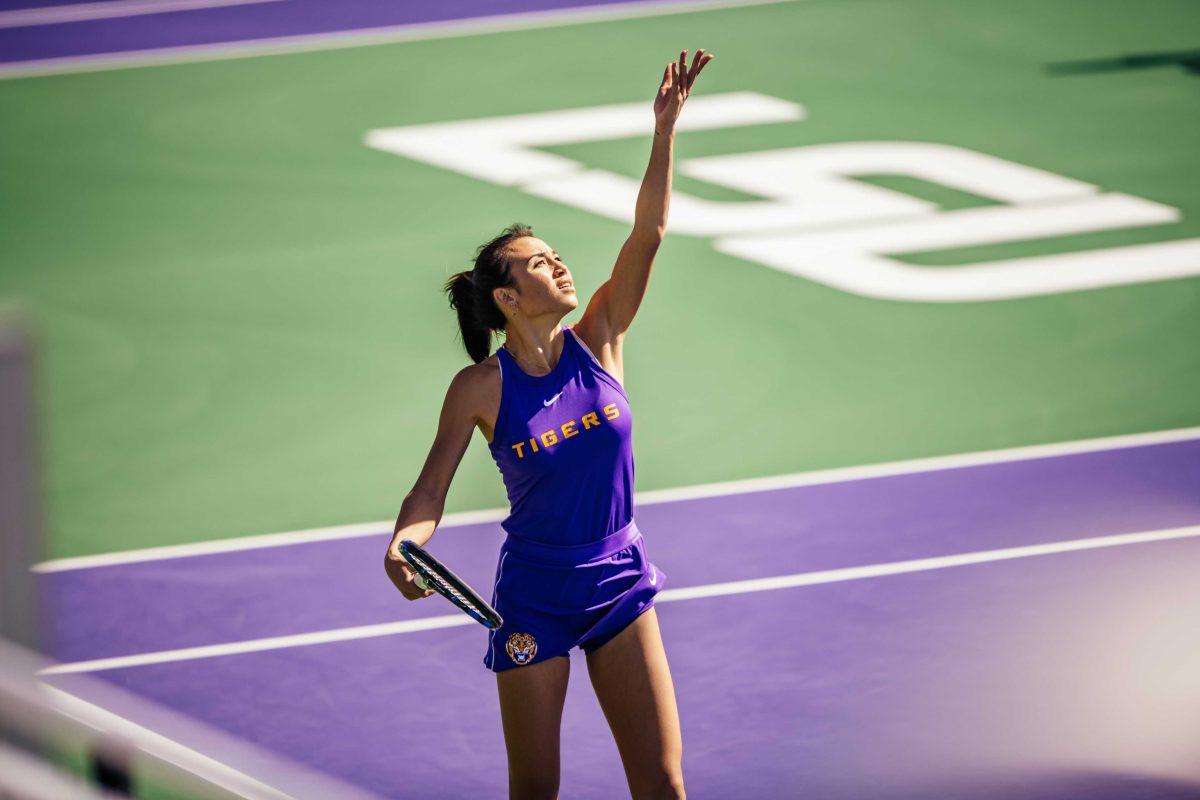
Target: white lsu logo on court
(816, 221)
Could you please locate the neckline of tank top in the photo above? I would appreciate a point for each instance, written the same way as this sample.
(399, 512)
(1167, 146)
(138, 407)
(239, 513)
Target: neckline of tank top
(562, 356)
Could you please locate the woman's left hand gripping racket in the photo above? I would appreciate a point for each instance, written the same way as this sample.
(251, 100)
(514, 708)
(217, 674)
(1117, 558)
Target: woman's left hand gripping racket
(432, 574)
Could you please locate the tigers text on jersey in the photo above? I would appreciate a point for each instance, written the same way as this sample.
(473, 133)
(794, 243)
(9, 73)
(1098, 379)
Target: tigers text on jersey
(564, 445)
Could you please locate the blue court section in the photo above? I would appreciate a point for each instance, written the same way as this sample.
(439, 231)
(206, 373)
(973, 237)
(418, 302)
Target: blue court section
(1028, 674)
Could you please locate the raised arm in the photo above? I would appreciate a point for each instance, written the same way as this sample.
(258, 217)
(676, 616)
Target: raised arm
(422, 508)
(612, 308)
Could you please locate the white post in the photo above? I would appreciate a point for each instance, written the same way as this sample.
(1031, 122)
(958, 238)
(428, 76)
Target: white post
(20, 515)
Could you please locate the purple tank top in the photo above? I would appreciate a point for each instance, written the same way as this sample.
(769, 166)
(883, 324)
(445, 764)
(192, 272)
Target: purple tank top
(564, 446)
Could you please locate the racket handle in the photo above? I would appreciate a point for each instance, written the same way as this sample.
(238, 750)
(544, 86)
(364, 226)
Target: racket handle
(420, 581)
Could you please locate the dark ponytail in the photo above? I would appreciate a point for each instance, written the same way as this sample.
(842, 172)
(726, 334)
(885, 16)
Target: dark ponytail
(471, 292)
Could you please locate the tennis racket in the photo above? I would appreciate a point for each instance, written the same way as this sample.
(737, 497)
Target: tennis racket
(433, 574)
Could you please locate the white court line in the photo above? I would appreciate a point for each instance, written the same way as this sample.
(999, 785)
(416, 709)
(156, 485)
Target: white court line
(110, 9)
(185, 758)
(791, 480)
(269, 643)
(255, 542)
(40, 713)
(362, 37)
(290, 781)
(666, 595)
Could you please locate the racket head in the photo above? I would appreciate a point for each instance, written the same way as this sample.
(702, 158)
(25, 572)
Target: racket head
(437, 576)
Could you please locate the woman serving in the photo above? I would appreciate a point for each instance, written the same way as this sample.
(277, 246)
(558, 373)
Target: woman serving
(573, 569)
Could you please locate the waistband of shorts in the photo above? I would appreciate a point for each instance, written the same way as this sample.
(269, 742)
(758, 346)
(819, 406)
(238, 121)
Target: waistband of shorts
(572, 554)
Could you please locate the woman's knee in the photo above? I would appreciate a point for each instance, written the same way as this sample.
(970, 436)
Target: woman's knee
(533, 771)
(532, 786)
(664, 784)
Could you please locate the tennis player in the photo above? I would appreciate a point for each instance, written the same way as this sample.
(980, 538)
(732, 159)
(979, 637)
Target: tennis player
(573, 569)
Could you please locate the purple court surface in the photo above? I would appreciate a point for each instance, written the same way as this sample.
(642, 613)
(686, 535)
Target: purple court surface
(1024, 627)
(50, 32)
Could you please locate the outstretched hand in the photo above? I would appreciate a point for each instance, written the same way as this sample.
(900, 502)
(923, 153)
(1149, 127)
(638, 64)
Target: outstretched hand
(675, 87)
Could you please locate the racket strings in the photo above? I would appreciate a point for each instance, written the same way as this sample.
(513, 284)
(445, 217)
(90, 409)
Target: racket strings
(433, 575)
(450, 586)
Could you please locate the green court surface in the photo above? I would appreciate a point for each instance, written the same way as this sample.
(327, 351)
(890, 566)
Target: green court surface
(239, 306)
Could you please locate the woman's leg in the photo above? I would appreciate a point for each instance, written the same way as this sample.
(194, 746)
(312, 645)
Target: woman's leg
(634, 687)
(531, 704)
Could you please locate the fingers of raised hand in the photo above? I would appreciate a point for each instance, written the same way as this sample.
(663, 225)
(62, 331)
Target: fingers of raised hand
(679, 76)
(678, 73)
(698, 62)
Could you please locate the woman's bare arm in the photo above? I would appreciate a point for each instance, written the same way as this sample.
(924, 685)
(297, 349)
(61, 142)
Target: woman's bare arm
(422, 508)
(613, 306)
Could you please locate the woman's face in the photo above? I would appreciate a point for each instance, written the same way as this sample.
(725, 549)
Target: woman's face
(544, 283)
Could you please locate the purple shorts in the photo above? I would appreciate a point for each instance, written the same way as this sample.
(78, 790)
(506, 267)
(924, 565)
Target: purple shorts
(554, 598)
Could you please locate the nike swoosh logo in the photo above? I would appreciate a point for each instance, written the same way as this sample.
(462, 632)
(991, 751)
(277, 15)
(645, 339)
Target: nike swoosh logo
(653, 577)
(552, 399)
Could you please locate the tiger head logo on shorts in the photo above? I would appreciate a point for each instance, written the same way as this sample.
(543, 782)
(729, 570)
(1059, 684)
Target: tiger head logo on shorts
(521, 647)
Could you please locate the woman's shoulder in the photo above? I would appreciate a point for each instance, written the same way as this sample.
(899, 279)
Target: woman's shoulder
(474, 390)
(480, 380)
(582, 336)
(476, 377)
(606, 354)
